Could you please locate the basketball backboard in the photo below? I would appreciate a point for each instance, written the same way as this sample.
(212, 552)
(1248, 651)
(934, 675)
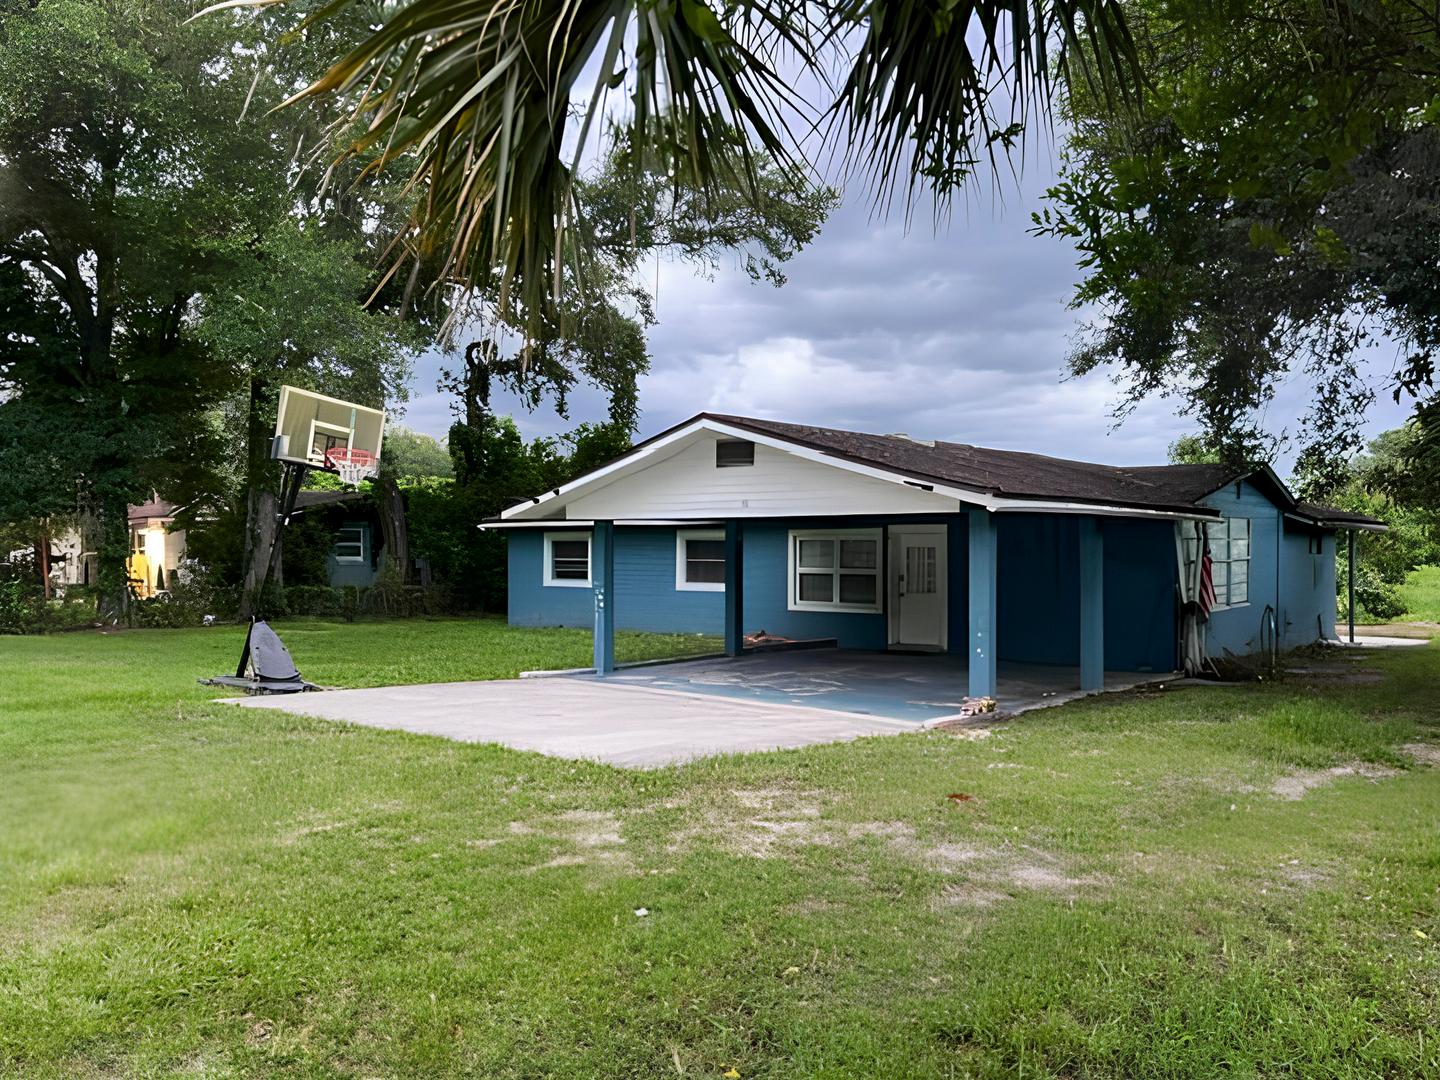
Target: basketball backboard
(310, 425)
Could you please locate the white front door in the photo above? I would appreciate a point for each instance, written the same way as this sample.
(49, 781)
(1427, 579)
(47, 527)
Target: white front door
(918, 589)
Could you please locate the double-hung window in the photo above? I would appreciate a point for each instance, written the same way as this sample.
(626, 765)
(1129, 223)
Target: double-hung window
(1229, 541)
(835, 570)
(700, 560)
(567, 559)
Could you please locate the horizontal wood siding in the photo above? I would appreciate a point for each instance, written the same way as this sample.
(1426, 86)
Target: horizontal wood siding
(645, 593)
(531, 601)
(688, 485)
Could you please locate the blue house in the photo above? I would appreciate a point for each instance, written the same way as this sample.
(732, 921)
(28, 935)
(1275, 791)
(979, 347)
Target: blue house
(731, 525)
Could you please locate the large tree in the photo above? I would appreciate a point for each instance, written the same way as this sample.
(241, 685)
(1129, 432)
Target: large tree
(1270, 209)
(127, 186)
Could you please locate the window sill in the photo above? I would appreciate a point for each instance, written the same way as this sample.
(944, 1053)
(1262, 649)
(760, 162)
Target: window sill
(837, 609)
(699, 586)
(567, 584)
(1229, 607)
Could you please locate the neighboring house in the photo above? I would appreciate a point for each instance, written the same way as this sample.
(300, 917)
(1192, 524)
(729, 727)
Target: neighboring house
(353, 521)
(731, 525)
(157, 551)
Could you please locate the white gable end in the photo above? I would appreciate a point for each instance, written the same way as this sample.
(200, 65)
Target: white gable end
(687, 485)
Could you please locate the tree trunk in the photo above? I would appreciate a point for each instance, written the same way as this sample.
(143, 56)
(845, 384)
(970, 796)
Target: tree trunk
(114, 550)
(393, 527)
(261, 500)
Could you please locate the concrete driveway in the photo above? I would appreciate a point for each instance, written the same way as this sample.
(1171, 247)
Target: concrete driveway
(634, 726)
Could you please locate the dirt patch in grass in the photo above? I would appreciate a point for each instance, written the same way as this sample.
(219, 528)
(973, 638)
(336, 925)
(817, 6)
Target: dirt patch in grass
(1297, 785)
(1423, 753)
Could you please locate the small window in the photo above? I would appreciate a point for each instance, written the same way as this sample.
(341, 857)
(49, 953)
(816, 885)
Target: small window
(350, 544)
(567, 559)
(835, 571)
(730, 453)
(700, 560)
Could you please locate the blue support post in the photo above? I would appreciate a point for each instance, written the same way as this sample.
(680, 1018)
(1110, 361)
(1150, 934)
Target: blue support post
(984, 551)
(1092, 605)
(602, 579)
(734, 589)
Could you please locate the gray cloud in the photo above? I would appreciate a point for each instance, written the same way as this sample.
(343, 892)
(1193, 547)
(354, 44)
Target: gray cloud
(957, 333)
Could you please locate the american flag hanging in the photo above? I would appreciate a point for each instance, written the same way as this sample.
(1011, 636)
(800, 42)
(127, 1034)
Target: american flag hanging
(1206, 598)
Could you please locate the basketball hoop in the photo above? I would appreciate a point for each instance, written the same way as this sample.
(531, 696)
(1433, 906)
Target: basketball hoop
(353, 465)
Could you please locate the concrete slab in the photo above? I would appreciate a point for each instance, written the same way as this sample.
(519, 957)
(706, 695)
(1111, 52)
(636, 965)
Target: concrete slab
(590, 719)
(921, 688)
(1375, 641)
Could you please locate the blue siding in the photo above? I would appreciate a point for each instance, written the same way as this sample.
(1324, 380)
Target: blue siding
(1298, 585)
(645, 593)
(767, 562)
(1039, 591)
(532, 602)
(1141, 606)
(1307, 586)
(361, 574)
(1237, 629)
(644, 596)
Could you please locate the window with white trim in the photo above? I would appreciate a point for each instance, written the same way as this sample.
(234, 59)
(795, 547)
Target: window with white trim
(835, 570)
(567, 559)
(700, 560)
(350, 544)
(1229, 541)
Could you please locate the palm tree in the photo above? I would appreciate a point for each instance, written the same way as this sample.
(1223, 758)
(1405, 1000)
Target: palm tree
(489, 104)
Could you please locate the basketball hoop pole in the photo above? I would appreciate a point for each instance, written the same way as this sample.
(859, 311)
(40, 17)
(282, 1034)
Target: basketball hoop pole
(291, 479)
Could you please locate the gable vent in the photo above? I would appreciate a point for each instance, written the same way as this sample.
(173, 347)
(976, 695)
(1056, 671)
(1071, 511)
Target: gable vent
(730, 453)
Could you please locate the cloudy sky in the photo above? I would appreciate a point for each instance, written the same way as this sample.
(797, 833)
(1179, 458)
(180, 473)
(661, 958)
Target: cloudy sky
(958, 333)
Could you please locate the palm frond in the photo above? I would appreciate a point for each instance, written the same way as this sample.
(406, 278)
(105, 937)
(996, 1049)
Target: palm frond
(478, 100)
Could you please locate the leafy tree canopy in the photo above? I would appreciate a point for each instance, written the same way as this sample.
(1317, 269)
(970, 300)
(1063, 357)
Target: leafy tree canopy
(1270, 208)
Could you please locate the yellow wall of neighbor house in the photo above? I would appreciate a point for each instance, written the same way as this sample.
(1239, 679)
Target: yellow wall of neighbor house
(152, 548)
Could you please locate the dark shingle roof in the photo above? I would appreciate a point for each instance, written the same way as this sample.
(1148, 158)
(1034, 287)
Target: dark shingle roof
(1328, 515)
(1018, 475)
(308, 500)
(1010, 473)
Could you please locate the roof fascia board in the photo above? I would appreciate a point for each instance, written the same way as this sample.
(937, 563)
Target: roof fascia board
(579, 523)
(1027, 506)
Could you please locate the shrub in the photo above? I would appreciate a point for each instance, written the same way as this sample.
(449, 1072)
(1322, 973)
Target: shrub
(319, 601)
(1377, 597)
(19, 611)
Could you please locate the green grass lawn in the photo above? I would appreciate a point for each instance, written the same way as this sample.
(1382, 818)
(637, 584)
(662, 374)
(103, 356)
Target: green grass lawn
(1190, 883)
(1421, 593)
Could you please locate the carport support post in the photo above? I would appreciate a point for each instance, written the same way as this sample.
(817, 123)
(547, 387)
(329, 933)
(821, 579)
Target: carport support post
(1092, 605)
(1350, 583)
(984, 551)
(602, 579)
(734, 589)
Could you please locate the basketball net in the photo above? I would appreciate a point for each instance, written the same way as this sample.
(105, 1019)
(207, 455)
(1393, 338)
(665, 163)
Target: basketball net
(352, 465)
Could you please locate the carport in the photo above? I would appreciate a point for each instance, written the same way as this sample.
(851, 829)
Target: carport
(917, 688)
